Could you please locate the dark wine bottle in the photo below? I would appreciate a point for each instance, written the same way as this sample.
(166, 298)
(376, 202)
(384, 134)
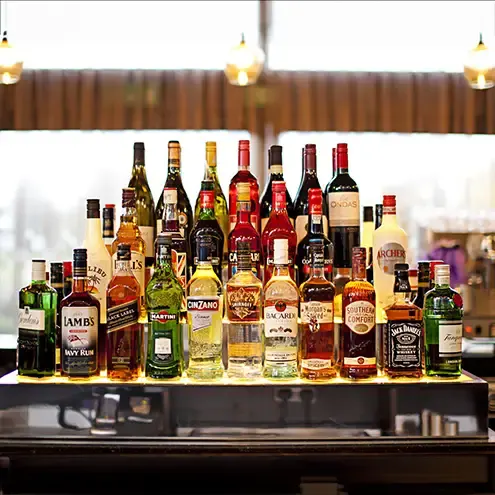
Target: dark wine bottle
(343, 205)
(301, 202)
(276, 174)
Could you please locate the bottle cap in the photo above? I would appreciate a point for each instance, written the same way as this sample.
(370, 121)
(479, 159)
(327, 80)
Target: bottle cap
(342, 148)
(280, 251)
(433, 265)
(92, 208)
(368, 214)
(275, 155)
(389, 201)
(244, 144)
(38, 270)
(80, 262)
(173, 144)
(139, 146)
(310, 149)
(124, 252)
(278, 186)
(170, 195)
(211, 145)
(442, 270)
(401, 267)
(128, 197)
(110, 206)
(109, 212)
(243, 191)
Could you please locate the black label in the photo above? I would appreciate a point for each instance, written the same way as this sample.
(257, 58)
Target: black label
(122, 316)
(404, 344)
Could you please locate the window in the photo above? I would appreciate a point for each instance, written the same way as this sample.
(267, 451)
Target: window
(129, 35)
(377, 35)
(51, 174)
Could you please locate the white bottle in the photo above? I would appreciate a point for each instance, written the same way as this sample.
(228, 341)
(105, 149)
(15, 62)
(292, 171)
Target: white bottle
(99, 259)
(389, 248)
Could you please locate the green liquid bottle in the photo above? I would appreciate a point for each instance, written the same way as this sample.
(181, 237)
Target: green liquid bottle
(163, 300)
(37, 325)
(443, 327)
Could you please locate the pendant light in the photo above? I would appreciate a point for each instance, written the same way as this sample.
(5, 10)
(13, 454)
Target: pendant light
(244, 64)
(479, 68)
(10, 63)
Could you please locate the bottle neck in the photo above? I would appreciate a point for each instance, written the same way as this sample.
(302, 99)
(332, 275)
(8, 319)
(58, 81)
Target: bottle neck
(342, 163)
(211, 165)
(402, 297)
(122, 267)
(281, 270)
(244, 159)
(244, 212)
(442, 281)
(309, 165)
(94, 232)
(129, 215)
(317, 271)
(204, 265)
(79, 283)
(279, 202)
(174, 163)
(170, 222)
(163, 262)
(315, 225)
(276, 173)
(390, 217)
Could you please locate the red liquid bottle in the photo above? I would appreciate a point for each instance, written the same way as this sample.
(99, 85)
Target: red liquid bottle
(278, 226)
(244, 175)
(245, 232)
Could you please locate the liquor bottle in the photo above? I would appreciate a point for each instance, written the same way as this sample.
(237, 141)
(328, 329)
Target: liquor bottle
(207, 225)
(404, 337)
(369, 266)
(281, 311)
(343, 207)
(129, 233)
(244, 231)
(389, 248)
(278, 227)
(82, 334)
(180, 247)
(301, 203)
(368, 228)
(109, 226)
(443, 314)
(37, 319)
(124, 333)
(204, 315)
(163, 300)
(378, 215)
(357, 357)
(145, 207)
(276, 174)
(99, 266)
(244, 295)
(174, 179)
(221, 207)
(315, 231)
(244, 175)
(57, 283)
(317, 346)
(423, 283)
(67, 278)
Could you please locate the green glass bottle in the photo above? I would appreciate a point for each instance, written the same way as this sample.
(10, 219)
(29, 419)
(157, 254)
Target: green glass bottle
(443, 327)
(37, 325)
(163, 300)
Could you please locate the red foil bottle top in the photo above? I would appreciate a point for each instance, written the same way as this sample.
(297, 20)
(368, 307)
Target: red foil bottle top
(310, 157)
(315, 201)
(389, 201)
(243, 155)
(433, 264)
(310, 149)
(358, 262)
(109, 206)
(244, 144)
(67, 268)
(207, 199)
(342, 157)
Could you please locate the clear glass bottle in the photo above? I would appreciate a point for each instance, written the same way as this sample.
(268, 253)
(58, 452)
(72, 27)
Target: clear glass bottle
(244, 294)
(281, 312)
(443, 314)
(204, 316)
(37, 325)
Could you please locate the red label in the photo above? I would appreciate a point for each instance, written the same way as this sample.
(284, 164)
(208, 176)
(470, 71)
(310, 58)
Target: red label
(315, 208)
(207, 200)
(279, 200)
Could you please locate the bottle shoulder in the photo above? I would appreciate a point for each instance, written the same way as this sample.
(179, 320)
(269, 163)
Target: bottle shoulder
(278, 223)
(317, 289)
(281, 288)
(244, 279)
(43, 288)
(356, 288)
(342, 183)
(80, 299)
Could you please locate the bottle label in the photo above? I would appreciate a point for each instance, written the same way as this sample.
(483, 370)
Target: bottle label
(316, 364)
(31, 319)
(202, 310)
(279, 200)
(207, 199)
(79, 328)
(122, 316)
(281, 320)
(243, 303)
(179, 266)
(163, 326)
(255, 262)
(137, 268)
(404, 344)
(315, 313)
(163, 349)
(365, 362)
(148, 235)
(281, 355)
(449, 338)
(389, 255)
(99, 276)
(360, 317)
(343, 209)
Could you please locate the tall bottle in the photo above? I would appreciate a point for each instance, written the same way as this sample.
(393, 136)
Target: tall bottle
(443, 314)
(318, 343)
(124, 332)
(315, 231)
(109, 226)
(244, 175)
(244, 231)
(174, 179)
(129, 233)
(204, 315)
(180, 247)
(281, 312)
(276, 174)
(301, 202)
(37, 320)
(207, 225)
(389, 248)
(344, 211)
(99, 266)
(368, 228)
(82, 333)
(164, 293)
(278, 227)
(357, 357)
(244, 295)
(57, 283)
(221, 207)
(145, 207)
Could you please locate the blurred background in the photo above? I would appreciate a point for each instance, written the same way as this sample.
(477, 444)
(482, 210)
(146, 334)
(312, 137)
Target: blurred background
(99, 75)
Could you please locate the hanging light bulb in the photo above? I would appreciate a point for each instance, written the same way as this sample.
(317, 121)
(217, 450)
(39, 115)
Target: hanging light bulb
(10, 63)
(479, 68)
(244, 64)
